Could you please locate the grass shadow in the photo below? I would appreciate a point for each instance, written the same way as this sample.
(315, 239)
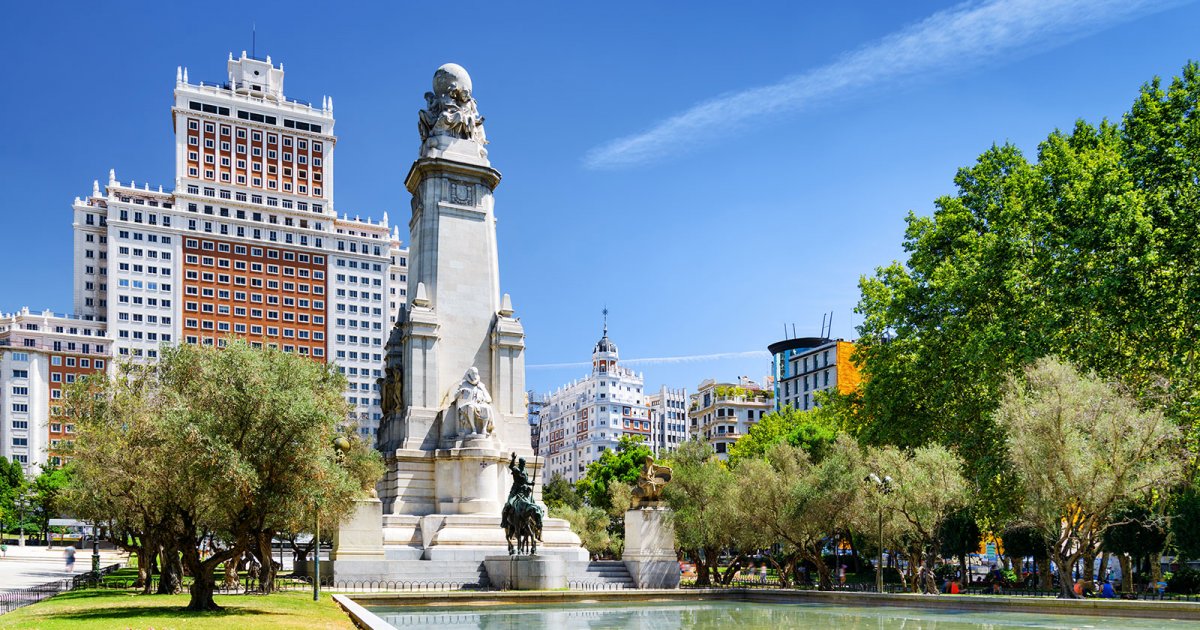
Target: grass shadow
(168, 612)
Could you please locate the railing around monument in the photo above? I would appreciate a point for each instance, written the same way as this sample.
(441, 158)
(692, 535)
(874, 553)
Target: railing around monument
(405, 586)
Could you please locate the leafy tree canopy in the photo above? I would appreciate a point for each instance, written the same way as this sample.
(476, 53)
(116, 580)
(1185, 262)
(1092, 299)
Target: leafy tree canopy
(621, 464)
(813, 431)
(558, 493)
(1087, 253)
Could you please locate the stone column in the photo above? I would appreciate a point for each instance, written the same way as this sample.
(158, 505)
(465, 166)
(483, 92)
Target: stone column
(650, 547)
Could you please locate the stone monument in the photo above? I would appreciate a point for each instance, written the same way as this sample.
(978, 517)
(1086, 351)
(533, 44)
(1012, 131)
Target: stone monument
(649, 532)
(453, 391)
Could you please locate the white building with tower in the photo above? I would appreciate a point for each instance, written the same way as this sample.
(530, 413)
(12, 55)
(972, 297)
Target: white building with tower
(588, 416)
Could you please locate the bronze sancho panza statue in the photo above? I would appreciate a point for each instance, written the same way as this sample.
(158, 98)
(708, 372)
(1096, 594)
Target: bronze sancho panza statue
(650, 483)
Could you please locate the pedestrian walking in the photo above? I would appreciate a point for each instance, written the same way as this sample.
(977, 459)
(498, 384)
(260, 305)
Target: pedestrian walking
(70, 554)
(3, 550)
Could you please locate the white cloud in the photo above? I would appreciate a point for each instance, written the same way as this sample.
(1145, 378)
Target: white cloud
(693, 358)
(955, 38)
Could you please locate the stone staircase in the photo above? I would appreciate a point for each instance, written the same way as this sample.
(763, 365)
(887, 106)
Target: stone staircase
(603, 574)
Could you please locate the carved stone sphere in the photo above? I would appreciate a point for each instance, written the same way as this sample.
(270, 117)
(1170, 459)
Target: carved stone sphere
(450, 76)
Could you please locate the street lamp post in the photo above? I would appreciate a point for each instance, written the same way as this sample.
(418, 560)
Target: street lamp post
(317, 553)
(95, 551)
(22, 504)
(884, 486)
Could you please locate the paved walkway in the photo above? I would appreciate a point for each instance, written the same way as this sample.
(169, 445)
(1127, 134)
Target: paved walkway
(29, 566)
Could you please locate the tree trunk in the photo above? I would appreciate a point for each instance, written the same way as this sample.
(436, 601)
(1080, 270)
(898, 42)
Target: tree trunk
(266, 572)
(931, 585)
(300, 558)
(170, 580)
(1089, 569)
(1126, 573)
(726, 576)
(1102, 574)
(231, 568)
(1066, 581)
(203, 581)
(1155, 570)
(1045, 580)
(964, 578)
(144, 569)
(203, 584)
(824, 575)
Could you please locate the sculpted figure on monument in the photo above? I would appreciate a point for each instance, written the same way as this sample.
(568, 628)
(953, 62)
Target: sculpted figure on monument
(392, 390)
(474, 405)
(521, 517)
(651, 481)
(450, 109)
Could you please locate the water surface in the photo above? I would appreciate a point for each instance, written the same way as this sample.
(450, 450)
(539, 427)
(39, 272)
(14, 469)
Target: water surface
(716, 615)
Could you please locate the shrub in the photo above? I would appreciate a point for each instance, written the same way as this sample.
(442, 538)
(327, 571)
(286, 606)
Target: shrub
(1185, 581)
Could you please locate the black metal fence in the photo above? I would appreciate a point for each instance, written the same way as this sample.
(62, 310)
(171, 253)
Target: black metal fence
(756, 582)
(383, 586)
(14, 599)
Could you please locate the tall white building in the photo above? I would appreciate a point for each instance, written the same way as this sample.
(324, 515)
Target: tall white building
(248, 243)
(588, 416)
(40, 355)
(667, 410)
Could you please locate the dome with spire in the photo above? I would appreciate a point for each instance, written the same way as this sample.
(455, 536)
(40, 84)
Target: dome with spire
(604, 355)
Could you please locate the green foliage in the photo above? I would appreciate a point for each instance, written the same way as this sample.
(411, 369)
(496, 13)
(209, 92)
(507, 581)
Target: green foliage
(1087, 254)
(813, 431)
(47, 493)
(1135, 530)
(1082, 450)
(621, 464)
(735, 391)
(1023, 541)
(1185, 581)
(792, 499)
(558, 492)
(12, 482)
(591, 524)
(700, 496)
(233, 443)
(1185, 522)
(959, 534)
(928, 487)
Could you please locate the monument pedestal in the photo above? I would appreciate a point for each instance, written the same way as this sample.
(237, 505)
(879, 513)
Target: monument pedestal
(526, 573)
(650, 547)
(357, 552)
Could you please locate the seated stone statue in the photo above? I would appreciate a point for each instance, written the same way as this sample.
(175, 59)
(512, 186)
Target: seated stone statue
(474, 406)
(651, 482)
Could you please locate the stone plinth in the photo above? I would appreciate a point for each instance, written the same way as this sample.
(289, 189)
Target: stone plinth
(358, 544)
(650, 547)
(526, 573)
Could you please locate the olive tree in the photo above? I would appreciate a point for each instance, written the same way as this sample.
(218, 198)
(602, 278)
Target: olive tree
(928, 487)
(216, 447)
(800, 503)
(1080, 450)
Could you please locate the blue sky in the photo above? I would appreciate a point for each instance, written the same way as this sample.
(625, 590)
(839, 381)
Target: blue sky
(709, 171)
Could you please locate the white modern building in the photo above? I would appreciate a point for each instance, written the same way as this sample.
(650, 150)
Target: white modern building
(667, 410)
(41, 354)
(588, 416)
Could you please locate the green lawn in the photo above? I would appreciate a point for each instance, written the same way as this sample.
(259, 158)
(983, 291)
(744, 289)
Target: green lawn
(86, 609)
